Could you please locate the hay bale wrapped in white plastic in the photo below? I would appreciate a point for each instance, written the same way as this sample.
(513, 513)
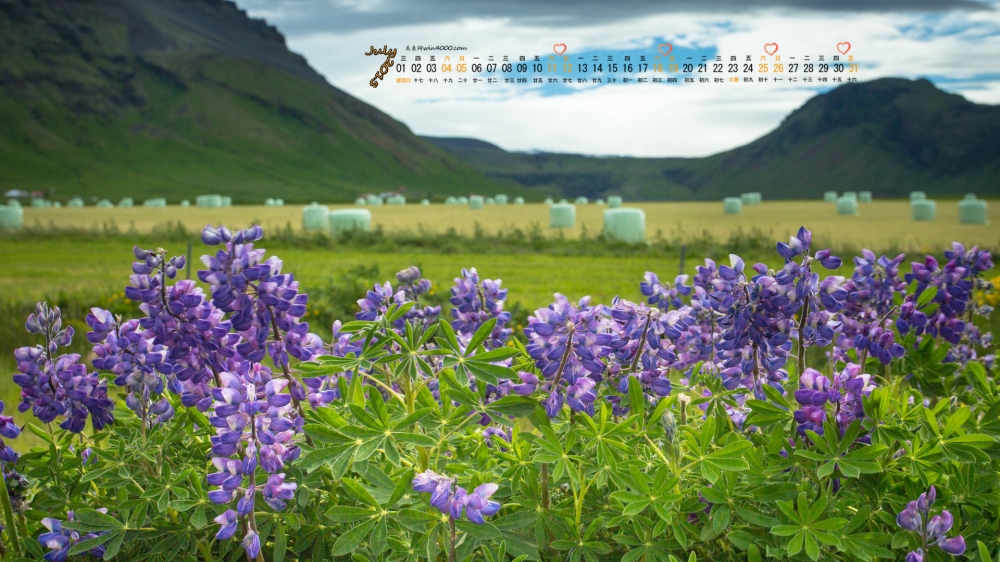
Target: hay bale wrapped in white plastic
(347, 220)
(126, 202)
(375, 200)
(500, 198)
(830, 196)
(519, 200)
(732, 205)
(11, 217)
(969, 196)
(614, 201)
(562, 215)
(279, 202)
(757, 198)
(972, 211)
(269, 202)
(847, 206)
(463, 200)
(38, 203)
(923, 209)
(425, 202)
(917, 196)
(625, 225)
(360, 201)
(747, 199)
(865, 196)
(13, 203)
(314, 216)
(476, 202)
(396, 200)
(57, 204)
(581, 200)
(185, 203)
(851, 195)
(104, 204)
(75, 202)
(490, 201)
(227, 201)
(450, 200)
(210, 201)
(599, 202)
(563, 202)
(549, 201)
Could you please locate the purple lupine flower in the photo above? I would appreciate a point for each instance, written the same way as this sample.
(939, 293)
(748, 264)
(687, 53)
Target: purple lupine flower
(255, 422)
(474, 303)
(662, 295)
(497, 437)
(227, 521)
(568, 344)
(413, 286)
(638, 348)
(847, 390)
(933, 530)
(438, 486)
(454, 502)
(53, 387)
(59, 540)
(10, 430)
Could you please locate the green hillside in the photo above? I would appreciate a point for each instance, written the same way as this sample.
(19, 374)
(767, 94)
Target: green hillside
(173, 98)
(888, 136)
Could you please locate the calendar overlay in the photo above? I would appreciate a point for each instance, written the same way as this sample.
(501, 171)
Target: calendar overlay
(662, 65)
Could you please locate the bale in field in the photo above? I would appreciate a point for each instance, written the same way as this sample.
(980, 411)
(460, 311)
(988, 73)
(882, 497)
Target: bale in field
(732, 205)
(346, 220)
(972, 211)
(747, 199)
(209, 201)
(11, 217)
(847, 206)
(396, 200)
(562, 215)
(519, 200)
(581, 200)
(614, 201)
(104, 204)
(490, 201)
(625, 225)
(75, 202)
(450, 200)
(360, 201)
(923, 209)
(830, 197)
(476, 202)
(599, 202)
(315, 216)
(549, 201)
(851, 195)
(500, 198)
(865, 197)
(917, 196)
(463, 200)
(970, 196)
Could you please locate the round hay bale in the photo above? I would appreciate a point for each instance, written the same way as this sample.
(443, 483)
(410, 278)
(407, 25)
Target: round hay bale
(581, 200)
(500, 198)
(747, 199)
(375, 200)
(970, 196)
(463, 200)
(347, 220)
(13, 203)
(549, 201)
(209, 201)
(830, 196)
(360, 201)
(917, 196)
(314, 217)
(185, 203)
(11, 217)
(865, 196)
(396, 200)
(732, 205)
(850, 195)
(57, 204)
(38, 203)
(227, 201)
(625, 225)
(562, 215)
(923, 209)
(104, 204)
(279, 202)
(599, 202)
(519, 200)
(126, 202)
(972, 211)
(490, 201)
(75, 202)
(450, 200)
(476, 202)
(269, 202)
(757, 198)
(425, 202)
(614, 201)
(847, 206)
(563, 202)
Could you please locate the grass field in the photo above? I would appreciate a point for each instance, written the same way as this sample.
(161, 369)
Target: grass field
(882, 224)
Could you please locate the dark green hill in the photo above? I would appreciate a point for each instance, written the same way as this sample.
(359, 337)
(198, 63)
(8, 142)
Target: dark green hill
(173, 98)
(889, 136)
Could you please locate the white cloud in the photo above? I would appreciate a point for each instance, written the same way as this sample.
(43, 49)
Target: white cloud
(655, 119)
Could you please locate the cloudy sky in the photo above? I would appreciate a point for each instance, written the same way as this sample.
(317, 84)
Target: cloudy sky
(954, 43)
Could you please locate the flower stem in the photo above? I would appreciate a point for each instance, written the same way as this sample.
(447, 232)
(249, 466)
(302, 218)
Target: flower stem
(8, 513)
(545, 485)
(802, 336)
(642, 342)
(451, 542)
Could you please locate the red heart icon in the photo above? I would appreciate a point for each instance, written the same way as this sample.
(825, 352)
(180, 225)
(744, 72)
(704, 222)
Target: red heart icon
(662, 45)
(559, 48)
(770, 48)
(843, 47)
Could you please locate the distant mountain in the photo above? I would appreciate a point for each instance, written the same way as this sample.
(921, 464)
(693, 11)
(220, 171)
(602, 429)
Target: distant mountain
(889, 136)
(172, 98)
